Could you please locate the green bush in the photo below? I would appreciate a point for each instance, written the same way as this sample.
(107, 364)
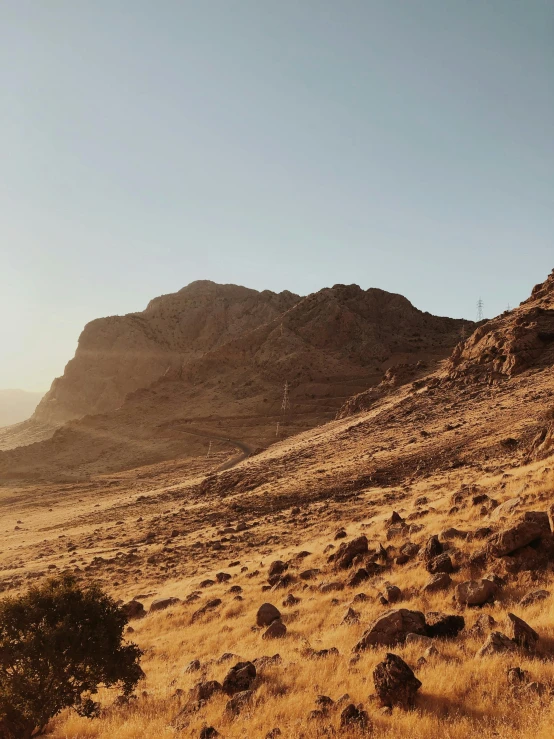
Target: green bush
(58, 643)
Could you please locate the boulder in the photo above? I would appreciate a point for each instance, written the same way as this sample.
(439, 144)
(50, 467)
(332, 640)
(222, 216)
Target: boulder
(354, 717)
(209, 606)
(351, 617)
(496, 643)
(392, 593)
(208, 732)
(483, 625)
(309, 574)
(391, 628)
(521, 633)
(442, 563)
(395, 682)
(276, 630)
(508, 508)
(277, 568)
(535, 596)
(515, 537)
(162, 603)
(432, 549)
(133, 609)
(204, 691)
(540, 518)
(438, 582)
(348, 552)
(239, 701)
(267, 613)
(239, 678)
(442, 625)
(475, 592)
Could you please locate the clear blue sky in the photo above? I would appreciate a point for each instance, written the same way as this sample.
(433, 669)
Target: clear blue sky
(283, 144)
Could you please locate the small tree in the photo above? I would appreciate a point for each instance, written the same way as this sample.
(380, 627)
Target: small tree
(58, 643)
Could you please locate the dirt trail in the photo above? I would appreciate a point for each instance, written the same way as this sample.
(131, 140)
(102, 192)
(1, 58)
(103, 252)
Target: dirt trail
(245, 449)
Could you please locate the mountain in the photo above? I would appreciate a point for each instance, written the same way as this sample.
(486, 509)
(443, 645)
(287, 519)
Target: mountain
(213, 361)
(17, 405)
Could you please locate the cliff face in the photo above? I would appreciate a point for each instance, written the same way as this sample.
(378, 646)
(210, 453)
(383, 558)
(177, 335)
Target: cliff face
(120, 354)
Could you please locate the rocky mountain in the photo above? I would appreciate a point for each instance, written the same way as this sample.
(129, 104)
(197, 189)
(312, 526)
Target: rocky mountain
(119, 354)
(222, 370)
(17, 405)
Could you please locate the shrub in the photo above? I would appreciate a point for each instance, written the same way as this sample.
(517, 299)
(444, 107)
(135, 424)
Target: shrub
(58, 643)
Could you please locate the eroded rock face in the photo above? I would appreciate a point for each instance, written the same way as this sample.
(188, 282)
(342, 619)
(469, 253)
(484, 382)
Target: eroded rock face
(514, 537)
(391, 628)
(395, 682)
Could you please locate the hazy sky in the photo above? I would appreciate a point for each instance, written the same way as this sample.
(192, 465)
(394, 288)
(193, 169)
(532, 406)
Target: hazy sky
(281, 144)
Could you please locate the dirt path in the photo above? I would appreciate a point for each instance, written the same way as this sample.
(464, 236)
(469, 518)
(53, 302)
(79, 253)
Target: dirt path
(245, 449)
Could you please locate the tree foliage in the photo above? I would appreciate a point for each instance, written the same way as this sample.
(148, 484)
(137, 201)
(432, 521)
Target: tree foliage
(58, 643)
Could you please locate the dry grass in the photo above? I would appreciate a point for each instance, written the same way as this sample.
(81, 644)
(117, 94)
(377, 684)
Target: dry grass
(462, 696)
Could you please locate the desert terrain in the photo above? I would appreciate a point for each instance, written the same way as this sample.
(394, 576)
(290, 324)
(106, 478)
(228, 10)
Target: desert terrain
(405, 510)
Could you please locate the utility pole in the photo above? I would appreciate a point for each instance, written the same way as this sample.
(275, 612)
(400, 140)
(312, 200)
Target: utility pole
(209, 450)
(277, 430)
(480, 306)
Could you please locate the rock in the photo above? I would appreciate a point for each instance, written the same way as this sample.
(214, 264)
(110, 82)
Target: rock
(475, 592)
(430, 652)
(209, 606)
(276, 630)
(391, 628)
(497, 643)
(193, 666)
(550, 514)
(204, 691)
(239, 678)
(223, 577)
(162, 603)
(444, 626)
(453, 533)
(395, 683)
(277, 568)
(324, 702)
(206, 583)
(328, 587)
(358, 577)
(515, 537)
(535, 596)
(309, 574)
(394, 519)
(540, 518)
(442, 563)
(323, 653)
(508, 508)
(356, 718)
(392, 593)
(261, 663)
(267, 613)
(517, 677)
(208, 732)
(521, 633)
(340, 534)
(291, 600)
(432, 549)
(346, 555)
(281, 582)
(274, 733)
(484, 623)
(133, 609)
(239, 701)
(523, 560)
(418, 639)
(351, 617)
(438, 582)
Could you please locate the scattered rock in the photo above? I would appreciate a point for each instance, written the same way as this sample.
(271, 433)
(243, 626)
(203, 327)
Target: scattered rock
(193, 666)
(351, 617)
(497, 643)
(161, 604)
(392, 593)
(391, 628)
(347, 552)
(438, 582)
(276, 630)
(432, 549)
(277, 568)
(395, 682)
(444, 626)
(521, 633)
(133, 609)
(536, 596)
(208, 732)
(515, 537)
(209, 606)
(475, 592)
(239, 701)
(267, 613)
(204, 691)
(291, 600)
(239, 678)
(439, 564)
(354, 717)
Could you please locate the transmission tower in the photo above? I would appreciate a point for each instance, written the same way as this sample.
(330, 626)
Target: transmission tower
(209, 451)
(480, 306)
(285, 405)
(463, 333)
(277, 430)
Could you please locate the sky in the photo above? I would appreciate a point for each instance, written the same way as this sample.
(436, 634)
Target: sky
(283, 144)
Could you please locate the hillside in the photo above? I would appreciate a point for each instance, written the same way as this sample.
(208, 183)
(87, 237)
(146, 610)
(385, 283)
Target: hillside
(17, 405)
(327, 347)
(421, 527)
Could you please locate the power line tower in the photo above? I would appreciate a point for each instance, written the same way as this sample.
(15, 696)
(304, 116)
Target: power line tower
(463, 333)
(277, 430)
(209, 451)
(285, 405)
(480, 306)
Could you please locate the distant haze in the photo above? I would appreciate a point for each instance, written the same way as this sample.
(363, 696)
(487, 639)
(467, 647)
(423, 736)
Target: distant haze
(282, 145)
(17, 405)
